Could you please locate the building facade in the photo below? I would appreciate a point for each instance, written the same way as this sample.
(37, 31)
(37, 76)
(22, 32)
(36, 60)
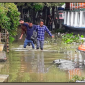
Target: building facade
(74, 17)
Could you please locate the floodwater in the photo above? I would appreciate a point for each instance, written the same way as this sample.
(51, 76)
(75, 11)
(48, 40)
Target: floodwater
(38, 66)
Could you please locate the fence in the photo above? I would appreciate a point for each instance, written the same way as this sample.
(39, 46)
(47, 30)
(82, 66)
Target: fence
(4, 38)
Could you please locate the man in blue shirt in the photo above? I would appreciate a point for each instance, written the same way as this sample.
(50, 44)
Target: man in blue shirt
(29, 33)
(40, 34)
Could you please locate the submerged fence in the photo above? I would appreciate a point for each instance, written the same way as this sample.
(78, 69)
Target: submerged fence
(4, 38)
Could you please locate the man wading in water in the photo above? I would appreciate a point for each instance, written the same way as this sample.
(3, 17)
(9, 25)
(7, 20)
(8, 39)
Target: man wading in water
(23, 28)
(29, 34)
(40, 34)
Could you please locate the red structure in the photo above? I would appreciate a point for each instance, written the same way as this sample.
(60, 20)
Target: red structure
(67, 6)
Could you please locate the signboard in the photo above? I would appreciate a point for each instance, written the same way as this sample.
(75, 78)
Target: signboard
(61, 16)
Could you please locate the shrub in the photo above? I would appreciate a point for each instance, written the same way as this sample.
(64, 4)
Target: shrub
(9, 18)
(70, 37)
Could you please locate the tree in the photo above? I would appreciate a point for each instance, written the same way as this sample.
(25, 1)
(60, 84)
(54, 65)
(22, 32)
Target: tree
(9, 18)
(54, 6)
(34, 7)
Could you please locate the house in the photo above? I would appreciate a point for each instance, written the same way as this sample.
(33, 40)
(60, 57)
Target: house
(74, 17)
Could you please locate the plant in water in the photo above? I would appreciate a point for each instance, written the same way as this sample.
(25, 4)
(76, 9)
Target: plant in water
(82, 41)
(76, 77)
(70, 37)
(82, 36)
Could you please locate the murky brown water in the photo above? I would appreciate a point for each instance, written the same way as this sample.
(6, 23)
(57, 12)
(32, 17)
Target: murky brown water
(37, 66)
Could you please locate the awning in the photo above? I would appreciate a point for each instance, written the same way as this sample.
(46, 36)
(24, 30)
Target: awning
(60, 8)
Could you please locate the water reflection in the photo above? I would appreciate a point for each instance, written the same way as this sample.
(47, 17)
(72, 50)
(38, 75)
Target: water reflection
(40, 62)
(71, 55)
(84, 62)
(75, 58)
(76, 64)
(36, 62)
(79, 65)
(74, 72)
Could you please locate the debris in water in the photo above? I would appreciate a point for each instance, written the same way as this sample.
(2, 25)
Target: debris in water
(65, 64)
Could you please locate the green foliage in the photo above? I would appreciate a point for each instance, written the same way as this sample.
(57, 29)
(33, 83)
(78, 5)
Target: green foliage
(54, 4)
(24, 5)
(29, 5)
(82, 36)
(11, 39)
(9, 18)
(69, 38)
(20, 4)
(76, 77)
(38, 6)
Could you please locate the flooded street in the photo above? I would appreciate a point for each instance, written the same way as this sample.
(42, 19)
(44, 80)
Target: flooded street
(60, 27)
(38, 66)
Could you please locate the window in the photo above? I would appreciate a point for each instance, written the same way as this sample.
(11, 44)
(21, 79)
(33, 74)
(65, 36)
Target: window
(74, 4)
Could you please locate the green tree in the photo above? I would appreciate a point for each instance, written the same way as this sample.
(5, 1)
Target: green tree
(9, 18)
(32, 7)
(38, 6)
(35, 7)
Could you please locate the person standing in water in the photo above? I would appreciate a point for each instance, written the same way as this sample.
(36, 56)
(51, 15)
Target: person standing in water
(29, 33)
(23, 27)
(41, 29)
(50, 22)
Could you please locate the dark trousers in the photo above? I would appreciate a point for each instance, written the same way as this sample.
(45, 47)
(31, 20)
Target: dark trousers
(50, 27)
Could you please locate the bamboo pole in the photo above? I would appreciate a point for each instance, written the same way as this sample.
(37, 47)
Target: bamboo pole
(0, 34)
(7, 42)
